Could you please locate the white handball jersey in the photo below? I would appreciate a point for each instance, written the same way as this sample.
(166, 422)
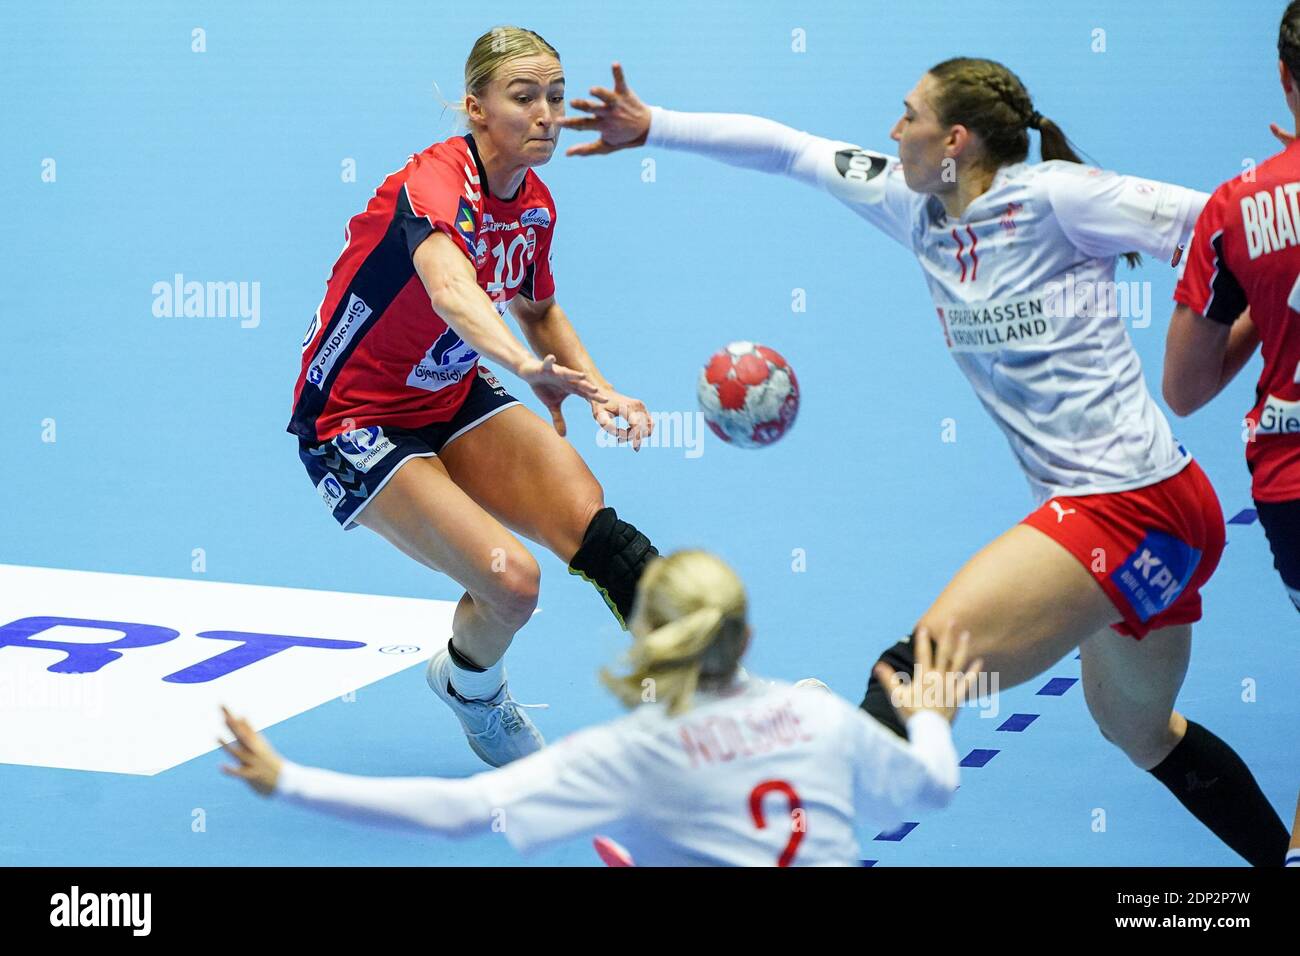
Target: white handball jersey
(1023, 284)
(761, 774)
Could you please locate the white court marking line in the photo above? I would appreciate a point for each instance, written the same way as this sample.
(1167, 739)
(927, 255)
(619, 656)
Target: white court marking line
(145, 697)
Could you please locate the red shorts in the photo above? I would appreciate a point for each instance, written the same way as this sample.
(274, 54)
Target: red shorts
(1151, 549)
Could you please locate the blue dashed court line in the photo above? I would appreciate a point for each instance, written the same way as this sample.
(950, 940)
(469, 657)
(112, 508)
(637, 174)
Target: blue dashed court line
(978, 758)
(895, 836)
(1244, 516)
(1057, 686)
(1016, 723)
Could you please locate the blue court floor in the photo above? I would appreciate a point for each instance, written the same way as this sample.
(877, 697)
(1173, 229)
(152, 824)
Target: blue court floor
(231, 145)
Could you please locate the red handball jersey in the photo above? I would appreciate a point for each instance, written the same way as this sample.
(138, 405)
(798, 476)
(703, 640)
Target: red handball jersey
(1246, 251)
(376, 353)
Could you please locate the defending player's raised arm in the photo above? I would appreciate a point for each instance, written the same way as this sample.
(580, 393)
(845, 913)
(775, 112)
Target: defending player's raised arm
(451, 808)
(895, 777)
(1107, 214)
(565, 789)
(869, 183)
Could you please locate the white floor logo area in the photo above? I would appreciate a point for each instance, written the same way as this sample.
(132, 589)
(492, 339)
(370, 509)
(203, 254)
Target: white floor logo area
(122, 673)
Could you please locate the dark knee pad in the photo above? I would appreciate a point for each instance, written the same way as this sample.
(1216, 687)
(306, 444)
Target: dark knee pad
(876, 702)
(612, 556)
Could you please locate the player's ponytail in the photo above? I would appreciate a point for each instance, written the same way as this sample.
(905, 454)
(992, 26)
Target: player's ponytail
(493, 49)
(689, 629)
(987, 98)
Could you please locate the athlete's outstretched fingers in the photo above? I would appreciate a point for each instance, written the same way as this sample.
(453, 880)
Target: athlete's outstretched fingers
(620, 84)
(597, 148)
(578, 122)
(557, 419)
(943, 649)
(961, 650)
(608, 96)
(607, 421)
(590, 106)
(921, 650)
(972, 672)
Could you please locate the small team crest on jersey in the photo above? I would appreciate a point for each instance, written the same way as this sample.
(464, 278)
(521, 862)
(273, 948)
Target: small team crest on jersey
(480, 252)
(363, 446)
(537, 216)
(531, 238)
(331, 492)
(465, 223)
(1156, 573)
(489, 378)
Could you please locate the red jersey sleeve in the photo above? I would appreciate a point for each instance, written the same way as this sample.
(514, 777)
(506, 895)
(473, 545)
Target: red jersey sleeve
(539, 280)
(1208, 285)
(441, 194)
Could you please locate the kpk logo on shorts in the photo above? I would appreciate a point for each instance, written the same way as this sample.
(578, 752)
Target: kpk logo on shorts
(1156, 573)
(363, 446)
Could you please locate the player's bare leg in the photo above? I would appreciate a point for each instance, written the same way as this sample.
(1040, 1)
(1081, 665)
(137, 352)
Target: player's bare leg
(1026, 602)
(426, 515)
(1130, 687)
(521, 471)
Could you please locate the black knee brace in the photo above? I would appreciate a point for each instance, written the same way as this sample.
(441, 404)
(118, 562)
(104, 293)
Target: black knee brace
(901, 658)
(612, 557)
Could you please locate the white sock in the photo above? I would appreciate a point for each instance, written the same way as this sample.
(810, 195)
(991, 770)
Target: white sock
(478, 685)
(1293, 857)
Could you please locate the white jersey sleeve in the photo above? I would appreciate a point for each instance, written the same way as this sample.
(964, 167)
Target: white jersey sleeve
(448, 807)
(894, 777)
(1106, 214)
(572, 787)
(869, 183)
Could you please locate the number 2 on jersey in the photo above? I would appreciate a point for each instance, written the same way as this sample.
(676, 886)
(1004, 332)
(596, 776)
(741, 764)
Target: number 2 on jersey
(798, 820)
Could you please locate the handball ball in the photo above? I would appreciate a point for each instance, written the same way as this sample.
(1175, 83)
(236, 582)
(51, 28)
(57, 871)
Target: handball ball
(748, 394)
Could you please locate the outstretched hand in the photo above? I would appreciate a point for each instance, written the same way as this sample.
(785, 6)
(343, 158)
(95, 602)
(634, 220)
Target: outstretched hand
(554, 383)
(620, 118)
(259, 765)
(942, 681)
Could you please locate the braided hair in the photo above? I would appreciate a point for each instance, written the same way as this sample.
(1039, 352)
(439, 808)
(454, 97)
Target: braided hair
(987, 98)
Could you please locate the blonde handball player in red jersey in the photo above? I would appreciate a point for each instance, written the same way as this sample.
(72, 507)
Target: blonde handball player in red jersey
(401, 429)
(1127, 528)
(1246, 252)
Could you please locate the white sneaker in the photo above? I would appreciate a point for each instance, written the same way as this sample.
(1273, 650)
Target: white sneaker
(497, 730)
